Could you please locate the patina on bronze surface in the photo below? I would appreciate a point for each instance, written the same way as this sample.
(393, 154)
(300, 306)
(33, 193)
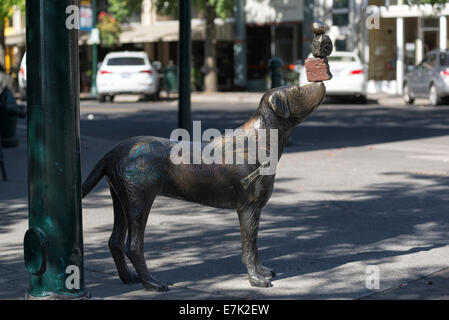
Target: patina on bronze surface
(140, 168)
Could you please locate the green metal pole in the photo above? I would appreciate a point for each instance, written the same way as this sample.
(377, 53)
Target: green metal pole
(184, 53)
(307, 35)
(53, 244)
(240, 65)
(93, 87)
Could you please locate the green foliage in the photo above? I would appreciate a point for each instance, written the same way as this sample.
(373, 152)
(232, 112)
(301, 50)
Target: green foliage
(6, 8)
(109, 30)
(121, 10)
(433, 2)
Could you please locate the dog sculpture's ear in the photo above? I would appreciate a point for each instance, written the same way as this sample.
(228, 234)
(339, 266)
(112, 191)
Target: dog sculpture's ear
(278, 101)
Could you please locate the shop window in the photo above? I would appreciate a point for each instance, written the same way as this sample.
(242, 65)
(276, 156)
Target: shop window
(340, 13)
(340, 45)
(284, 43)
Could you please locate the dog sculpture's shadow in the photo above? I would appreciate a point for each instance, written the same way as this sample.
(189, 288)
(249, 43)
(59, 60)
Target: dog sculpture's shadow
(313, 237)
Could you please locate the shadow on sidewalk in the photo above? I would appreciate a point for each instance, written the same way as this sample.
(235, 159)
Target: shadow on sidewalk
(198, 246)
(331, 126)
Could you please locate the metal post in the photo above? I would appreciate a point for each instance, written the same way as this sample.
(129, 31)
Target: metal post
(399, 55)
(240, 76)
(93, 87)
(275, 72)
(443, 33)
(306, 28)
(53, 244)
(184, 53)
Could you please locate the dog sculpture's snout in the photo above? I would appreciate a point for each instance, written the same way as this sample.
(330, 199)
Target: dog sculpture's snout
(309, 97)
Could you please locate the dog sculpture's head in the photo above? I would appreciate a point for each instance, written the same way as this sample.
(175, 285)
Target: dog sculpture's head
(293, 102)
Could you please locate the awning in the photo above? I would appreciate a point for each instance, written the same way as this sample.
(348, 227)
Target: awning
(169, 31)
(16, 39)
(406, 11)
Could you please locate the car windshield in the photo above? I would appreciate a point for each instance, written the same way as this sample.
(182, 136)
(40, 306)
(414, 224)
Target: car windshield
(126, 61)
(444, 59)
(341, 58)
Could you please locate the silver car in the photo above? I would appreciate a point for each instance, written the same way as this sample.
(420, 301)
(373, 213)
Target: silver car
(430, 79)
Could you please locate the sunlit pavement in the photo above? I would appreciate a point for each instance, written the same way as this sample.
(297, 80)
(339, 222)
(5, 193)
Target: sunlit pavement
(361, 188)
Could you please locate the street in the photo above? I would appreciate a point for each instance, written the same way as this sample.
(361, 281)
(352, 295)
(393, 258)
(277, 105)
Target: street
(360, 185)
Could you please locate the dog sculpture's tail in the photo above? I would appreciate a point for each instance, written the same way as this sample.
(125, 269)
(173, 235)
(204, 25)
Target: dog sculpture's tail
(94, 177)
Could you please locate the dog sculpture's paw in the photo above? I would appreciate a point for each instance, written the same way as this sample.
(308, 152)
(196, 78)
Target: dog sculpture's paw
(257, 280)
(154, 285)
(266, 272)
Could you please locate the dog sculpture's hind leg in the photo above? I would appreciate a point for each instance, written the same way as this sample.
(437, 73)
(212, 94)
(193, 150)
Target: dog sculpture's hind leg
(137, 205)
(117, 241)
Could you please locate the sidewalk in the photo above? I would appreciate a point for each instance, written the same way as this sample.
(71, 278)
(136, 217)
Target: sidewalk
(334, 211)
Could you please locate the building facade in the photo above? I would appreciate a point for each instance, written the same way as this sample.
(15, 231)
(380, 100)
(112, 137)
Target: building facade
(387, 35)
(15, 41)
(404, 35)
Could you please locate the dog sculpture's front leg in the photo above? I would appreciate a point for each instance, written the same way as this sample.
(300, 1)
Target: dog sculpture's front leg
(249, 225)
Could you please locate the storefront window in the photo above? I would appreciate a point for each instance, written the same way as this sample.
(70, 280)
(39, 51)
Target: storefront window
(340, 45)
(284, 43)
(340, 13)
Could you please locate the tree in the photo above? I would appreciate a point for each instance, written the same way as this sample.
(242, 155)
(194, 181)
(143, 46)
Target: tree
(6, 10)
(110, 30)
(211, 9)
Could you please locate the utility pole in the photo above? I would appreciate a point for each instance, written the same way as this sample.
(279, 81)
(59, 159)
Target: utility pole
(306, 28)
(240, 76)
(53, 244)
(93, 87)
(184, 53)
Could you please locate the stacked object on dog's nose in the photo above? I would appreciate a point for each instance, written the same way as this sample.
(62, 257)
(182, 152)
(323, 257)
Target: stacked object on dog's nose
(317, 68)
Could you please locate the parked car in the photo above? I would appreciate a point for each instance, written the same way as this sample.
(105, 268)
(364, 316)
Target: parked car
(23, 78)
(429, 79)
(349, 76)
(127, 73)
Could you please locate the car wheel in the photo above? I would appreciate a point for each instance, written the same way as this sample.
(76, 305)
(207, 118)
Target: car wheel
(147, 97)
(156, 95)
(408, 99)
(361, 99)
(101, 98)
(434, 99)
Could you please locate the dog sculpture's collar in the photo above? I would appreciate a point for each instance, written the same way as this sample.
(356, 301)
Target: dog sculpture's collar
(254, 175)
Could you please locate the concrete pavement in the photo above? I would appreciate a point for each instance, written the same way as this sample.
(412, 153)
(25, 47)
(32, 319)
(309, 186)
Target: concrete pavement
(362, 185)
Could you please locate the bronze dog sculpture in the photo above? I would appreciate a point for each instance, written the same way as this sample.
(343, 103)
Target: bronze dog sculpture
(139, 169)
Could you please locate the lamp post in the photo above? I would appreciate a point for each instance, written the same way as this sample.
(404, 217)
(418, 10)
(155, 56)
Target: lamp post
(93, 87)
(240, 74)
(184, 53)
(306, 28)
(53, 244)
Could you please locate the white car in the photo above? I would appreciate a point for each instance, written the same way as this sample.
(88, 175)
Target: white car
(23, 78)
(349, 76)
(127, 73)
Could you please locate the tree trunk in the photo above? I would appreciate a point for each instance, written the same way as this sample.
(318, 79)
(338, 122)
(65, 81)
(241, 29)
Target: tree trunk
(2, 45)
(210, 58)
